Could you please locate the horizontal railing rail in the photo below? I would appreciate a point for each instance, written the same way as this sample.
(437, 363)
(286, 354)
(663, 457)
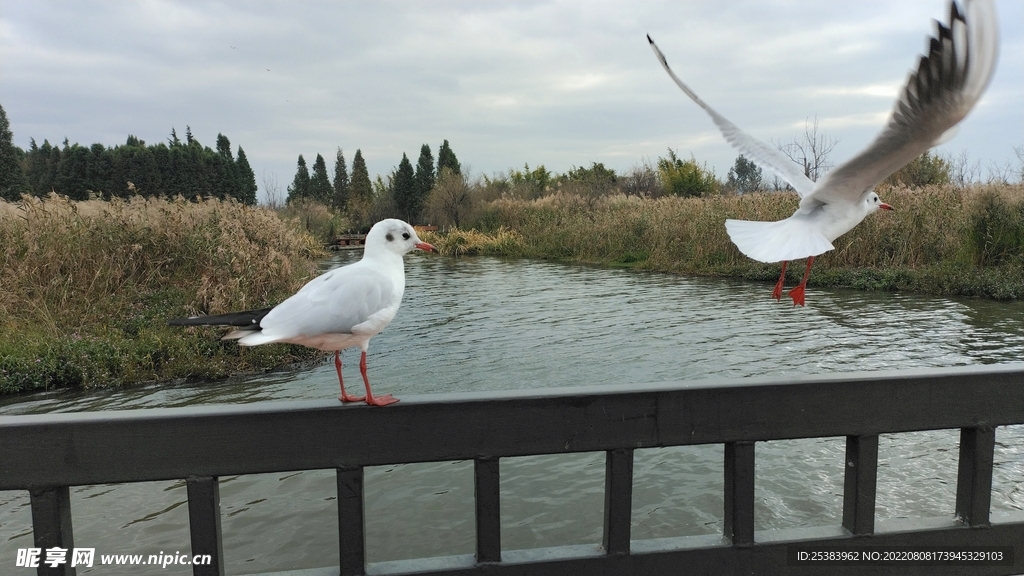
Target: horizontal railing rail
(46, 454)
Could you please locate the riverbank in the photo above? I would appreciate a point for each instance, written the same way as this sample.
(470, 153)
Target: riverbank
(86, 289)
(939, 240)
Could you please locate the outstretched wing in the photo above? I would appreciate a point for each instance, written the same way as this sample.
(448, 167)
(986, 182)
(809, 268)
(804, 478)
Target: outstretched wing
(758, 152)
(948, 82)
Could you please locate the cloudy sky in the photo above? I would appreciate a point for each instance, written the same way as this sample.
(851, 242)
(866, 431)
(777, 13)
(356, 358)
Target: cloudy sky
(556, 83)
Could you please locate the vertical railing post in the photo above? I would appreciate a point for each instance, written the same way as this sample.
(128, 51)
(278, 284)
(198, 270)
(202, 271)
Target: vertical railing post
(51, 527)
(860, 484)
(739, 493)
(204, 524)
(618, 500)
(974, 475)
(487, 488)
(351, 522)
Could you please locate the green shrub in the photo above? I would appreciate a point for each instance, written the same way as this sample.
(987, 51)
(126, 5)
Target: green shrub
(686, 178)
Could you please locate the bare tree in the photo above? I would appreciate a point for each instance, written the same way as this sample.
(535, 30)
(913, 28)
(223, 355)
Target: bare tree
(1019, 151)
(962, 172)
(273, 190)
(812, 151)
(1001, 172)
(450, 201)
(777, 184)
(642, 180)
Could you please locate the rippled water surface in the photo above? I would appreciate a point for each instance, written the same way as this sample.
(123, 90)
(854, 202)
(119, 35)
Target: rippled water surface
(483, 324)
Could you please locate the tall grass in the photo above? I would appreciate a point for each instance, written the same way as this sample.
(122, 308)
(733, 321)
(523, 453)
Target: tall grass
(86, 287)
(940, 239)
(455, 242)
(322, 222)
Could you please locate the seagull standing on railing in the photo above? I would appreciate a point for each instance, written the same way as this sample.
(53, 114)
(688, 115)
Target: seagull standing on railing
(339, 309)
(947, 84)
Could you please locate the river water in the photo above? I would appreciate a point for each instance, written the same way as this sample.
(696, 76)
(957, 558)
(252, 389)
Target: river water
(472, 324)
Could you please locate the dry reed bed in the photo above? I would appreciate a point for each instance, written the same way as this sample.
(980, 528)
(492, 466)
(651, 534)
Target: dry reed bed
(86, 287)
(942, 239)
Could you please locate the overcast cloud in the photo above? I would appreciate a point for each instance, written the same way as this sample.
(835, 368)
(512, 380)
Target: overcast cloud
(556, 83)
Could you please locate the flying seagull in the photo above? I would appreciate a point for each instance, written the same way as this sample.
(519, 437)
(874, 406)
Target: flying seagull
(947, 83)
(339, 309)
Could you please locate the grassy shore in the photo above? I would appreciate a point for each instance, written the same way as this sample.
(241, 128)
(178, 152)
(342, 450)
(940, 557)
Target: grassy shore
(86, 288)
(939, 240)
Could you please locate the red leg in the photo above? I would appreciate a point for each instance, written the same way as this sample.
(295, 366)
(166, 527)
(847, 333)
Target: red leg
(797, 294)
(370, 398)
(777, 292)
(344, 397)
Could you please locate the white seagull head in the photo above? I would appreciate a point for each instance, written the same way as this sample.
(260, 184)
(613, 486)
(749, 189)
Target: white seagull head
(874, 202)
(393, 236)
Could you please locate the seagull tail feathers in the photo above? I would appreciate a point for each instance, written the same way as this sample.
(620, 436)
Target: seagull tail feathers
(788, 239)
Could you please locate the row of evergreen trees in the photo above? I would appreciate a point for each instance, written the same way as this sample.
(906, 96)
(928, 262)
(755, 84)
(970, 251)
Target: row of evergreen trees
(184, 168)
(407, 188)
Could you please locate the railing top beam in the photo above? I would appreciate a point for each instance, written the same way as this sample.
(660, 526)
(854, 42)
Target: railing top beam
(160, 444)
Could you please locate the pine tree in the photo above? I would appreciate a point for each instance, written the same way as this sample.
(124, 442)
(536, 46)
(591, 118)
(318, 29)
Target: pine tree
(203, 162)
(446, 159)
(162, 169)
(300, 185)
(12, 177)
(226, 183)
(135, 170)
(199, 163)
(360, 192)
(41, 167)
(320, 188)
(246, 179)
(341, 184)
(425, 177)
(100, 170)
(405, 190)
(72, 178)
(179, 177)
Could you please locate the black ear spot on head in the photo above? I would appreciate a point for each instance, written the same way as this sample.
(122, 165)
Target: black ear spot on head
(390, 237)
(405, 235)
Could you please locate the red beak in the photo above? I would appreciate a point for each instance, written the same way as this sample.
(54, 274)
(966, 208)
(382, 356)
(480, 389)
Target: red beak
(885, 206)
(426, 247)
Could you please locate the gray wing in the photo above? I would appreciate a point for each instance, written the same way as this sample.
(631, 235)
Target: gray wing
(948, 82)
(758, 152)
(333, 303)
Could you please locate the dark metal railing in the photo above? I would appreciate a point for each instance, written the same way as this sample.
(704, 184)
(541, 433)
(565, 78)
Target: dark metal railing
(46, 454)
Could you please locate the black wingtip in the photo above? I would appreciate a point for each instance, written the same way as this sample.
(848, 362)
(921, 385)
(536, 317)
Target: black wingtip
(649, 39)
(954, 12)
(246, 319)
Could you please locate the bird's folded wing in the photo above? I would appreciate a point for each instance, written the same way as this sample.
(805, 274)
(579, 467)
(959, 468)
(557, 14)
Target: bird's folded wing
(333, 303)
(758, 152)
(947, 84)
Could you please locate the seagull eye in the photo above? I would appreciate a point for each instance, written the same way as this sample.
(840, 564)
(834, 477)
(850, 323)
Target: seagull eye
(405, 235)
